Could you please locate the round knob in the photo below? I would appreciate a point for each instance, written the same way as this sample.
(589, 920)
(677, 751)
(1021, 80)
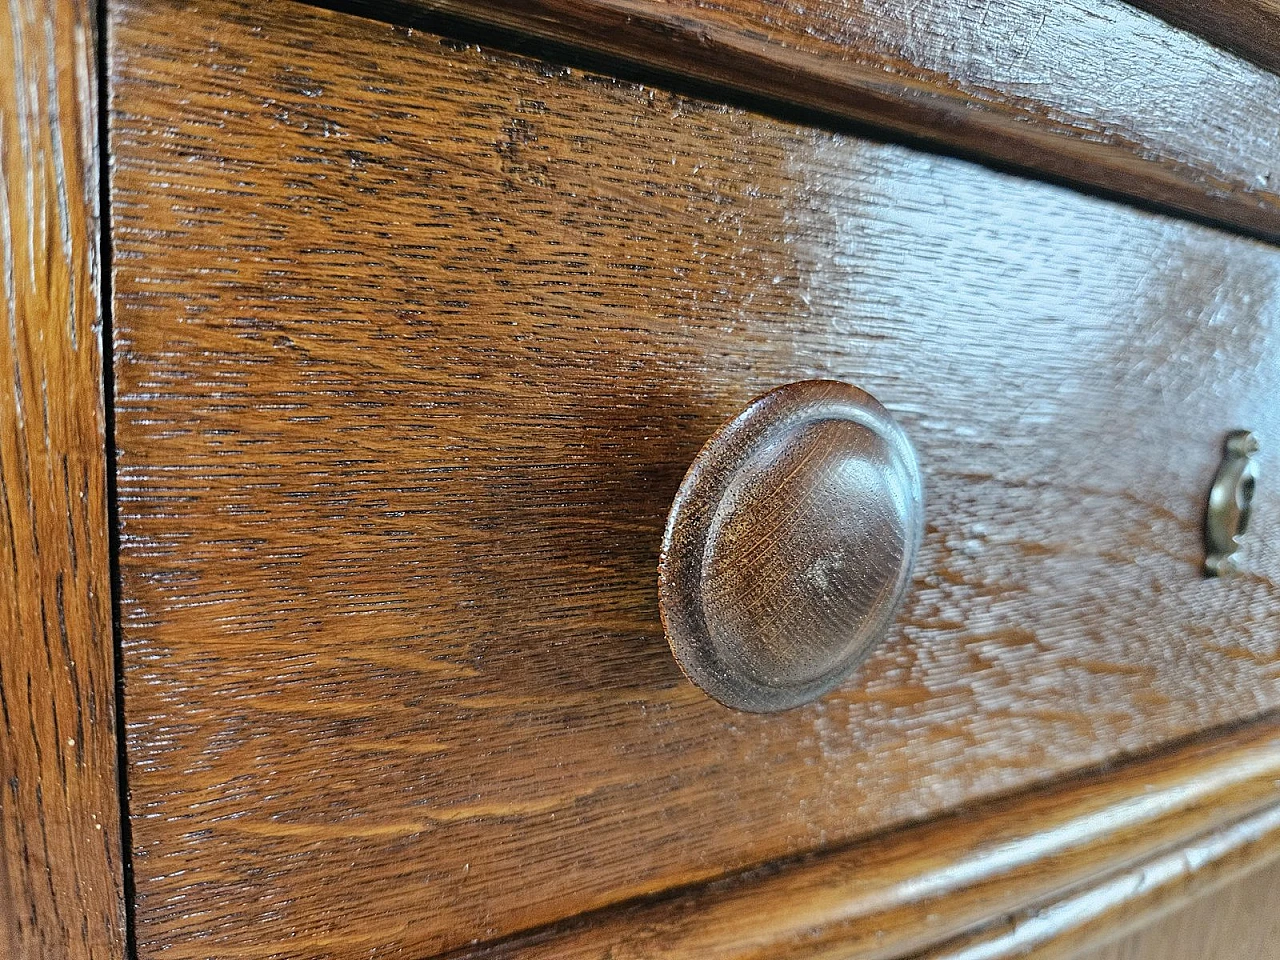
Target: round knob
(789, 546)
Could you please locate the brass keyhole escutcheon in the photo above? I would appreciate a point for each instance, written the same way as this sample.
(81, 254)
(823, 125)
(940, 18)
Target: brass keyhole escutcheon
(1230, 503)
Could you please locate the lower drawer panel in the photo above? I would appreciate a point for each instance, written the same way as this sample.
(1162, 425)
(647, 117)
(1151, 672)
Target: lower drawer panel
(414, 343)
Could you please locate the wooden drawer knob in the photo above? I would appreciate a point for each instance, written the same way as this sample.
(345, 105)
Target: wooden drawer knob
(789, 546)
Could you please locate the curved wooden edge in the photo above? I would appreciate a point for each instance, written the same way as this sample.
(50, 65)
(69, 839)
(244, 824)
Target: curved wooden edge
(1250, 28)
(61, 869)
(1120, 903)
(1061, 867)
(739, 48)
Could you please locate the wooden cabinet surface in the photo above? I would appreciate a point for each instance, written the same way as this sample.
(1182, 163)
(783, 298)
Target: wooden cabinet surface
(1239, 920)
(62, 851)
(357, 352)
(1096, 93)
(414, 341)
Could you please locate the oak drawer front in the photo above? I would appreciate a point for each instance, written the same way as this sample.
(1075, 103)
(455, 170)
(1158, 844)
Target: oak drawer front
(413, 344)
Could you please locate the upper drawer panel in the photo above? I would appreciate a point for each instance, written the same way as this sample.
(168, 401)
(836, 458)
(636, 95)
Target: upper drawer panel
(413, 344)
(1095, 92)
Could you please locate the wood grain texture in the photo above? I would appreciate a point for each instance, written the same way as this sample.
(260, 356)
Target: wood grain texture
(414, 343)
(1037, 875)
(1095, 92)
(1238, 922)
(60, 858)
(1250, 28)
(1056, 929)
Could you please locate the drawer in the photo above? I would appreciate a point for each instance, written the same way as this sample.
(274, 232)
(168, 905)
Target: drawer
(413, 344)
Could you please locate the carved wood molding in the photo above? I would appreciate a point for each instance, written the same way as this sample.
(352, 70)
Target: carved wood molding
(1044, 874)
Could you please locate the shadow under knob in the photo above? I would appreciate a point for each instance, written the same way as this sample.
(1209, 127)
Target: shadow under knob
(789, 545)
